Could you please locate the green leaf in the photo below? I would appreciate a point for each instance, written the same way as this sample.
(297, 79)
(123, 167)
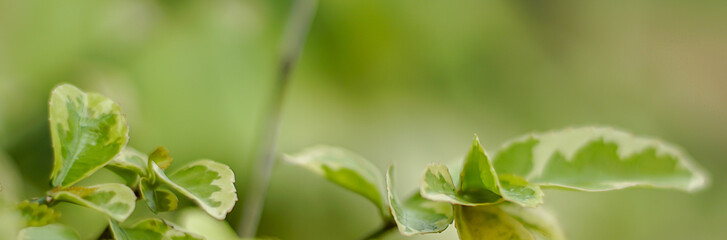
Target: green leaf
(479, 184)
(417, 215)
(158, 200)
(87, 131)
(198, 222)
(48, 232)
(150, 229)
(599, 159)
(478, 181)
(488, 222)
(540, 222)
(161, 157)
(36, 214)
(208, 183)
(345, 168)
(113, 199)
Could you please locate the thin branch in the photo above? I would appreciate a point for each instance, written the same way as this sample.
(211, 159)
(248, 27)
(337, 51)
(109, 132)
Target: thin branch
(296, 31)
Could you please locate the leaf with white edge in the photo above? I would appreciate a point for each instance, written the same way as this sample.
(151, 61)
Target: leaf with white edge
(479, 184)
(208, 183)
(87, 131)
(345, 168)
(130, 159)
(150, 229)
(166, 201)
(488, 222)
(48, 232)
(437, 185)
(161, 157)
(599, 159)
(130, 165)
(417, 215)
(198, 222)
(113, 199)
(539, 221)
(158, 200)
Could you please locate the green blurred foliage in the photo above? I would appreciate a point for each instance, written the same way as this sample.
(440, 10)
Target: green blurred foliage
(397, 81)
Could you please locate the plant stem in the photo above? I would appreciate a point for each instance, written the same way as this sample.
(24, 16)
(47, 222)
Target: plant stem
(388, 226)
(301, 17)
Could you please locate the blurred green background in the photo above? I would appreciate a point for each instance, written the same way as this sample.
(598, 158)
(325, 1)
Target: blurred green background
(404, 81)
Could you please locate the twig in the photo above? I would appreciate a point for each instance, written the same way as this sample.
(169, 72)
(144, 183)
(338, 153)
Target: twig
(296, 31)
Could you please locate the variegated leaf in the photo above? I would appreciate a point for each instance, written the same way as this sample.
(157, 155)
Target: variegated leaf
(599, 159)
(488, 222)
(345, 168)
(479, 184)
(516, 189)
(437, 185)
(417, 215)
(113, 199)
(87, 131)
(158, 200)
(539, 221)
(150, 229)
(132, 160)
(48, 232)
(208, 183)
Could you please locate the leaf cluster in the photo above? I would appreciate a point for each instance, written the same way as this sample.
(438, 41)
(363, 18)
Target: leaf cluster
(499, 198)
(89, 132)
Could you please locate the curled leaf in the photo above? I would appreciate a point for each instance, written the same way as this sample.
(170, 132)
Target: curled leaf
(130, 165)
(417, 215)
(437, 185)
(158, 200)
(208, 183)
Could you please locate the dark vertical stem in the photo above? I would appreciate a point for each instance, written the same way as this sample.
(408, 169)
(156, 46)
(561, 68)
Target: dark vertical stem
(301, 17)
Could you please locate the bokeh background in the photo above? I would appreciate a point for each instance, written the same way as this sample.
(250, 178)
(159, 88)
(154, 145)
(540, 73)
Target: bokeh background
(405, 82)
